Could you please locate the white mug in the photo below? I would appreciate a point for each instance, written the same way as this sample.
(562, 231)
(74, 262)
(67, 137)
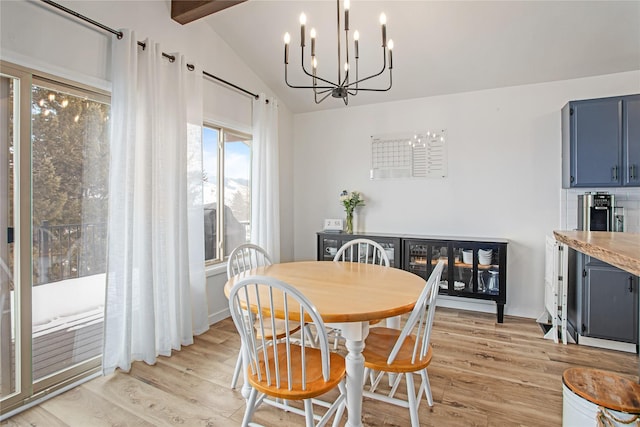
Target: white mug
(331, 250)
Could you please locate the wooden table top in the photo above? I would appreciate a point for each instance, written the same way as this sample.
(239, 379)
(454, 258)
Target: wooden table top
(345, 291)
(619, 249)
(604, 389)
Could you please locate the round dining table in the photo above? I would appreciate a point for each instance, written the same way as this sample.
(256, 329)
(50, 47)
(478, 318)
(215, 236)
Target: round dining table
(348, 296)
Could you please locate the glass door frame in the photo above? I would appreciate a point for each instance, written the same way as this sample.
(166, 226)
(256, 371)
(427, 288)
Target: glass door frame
(26, 390)
(22, 236)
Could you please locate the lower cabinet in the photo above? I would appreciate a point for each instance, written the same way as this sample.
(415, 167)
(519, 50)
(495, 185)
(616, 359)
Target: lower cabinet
(474, 268)
(609, 302)
(329, 243)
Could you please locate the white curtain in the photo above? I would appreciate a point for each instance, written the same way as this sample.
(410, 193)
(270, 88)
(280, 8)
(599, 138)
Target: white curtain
(155, 299)
(265, 192)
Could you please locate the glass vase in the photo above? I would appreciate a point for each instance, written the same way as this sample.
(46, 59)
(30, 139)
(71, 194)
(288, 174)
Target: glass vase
(349, 222)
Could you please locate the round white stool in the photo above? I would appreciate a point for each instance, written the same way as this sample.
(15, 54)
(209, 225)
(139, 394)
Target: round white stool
(599, 398)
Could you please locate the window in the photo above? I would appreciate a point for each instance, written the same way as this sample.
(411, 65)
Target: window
(226, 182)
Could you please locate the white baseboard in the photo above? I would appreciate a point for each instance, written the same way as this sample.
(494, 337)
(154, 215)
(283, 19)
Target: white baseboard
(466, 304)
(608, 344)
(218, 316)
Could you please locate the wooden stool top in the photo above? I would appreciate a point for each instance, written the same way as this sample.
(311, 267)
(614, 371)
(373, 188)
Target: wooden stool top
(604, 389)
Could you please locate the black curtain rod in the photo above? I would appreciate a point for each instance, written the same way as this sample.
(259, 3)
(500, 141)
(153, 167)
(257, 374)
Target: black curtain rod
(171, 58)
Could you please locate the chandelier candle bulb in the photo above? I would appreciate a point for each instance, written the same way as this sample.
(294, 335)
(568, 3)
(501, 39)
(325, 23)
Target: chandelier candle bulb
(287, 39)
(383, 22)
(347, 5)
(303, 22)
(312, 34)
(356, 37)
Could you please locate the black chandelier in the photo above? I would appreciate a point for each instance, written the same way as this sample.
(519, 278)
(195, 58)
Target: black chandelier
(343, 87)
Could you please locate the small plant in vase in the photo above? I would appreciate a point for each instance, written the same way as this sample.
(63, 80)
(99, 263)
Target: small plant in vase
(350, 201)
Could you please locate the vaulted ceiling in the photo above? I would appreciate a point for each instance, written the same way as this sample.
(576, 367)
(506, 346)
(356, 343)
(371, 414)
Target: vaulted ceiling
(441, 47)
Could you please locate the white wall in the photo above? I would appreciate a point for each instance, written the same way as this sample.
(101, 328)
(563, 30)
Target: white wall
(504, 171)
(38, 36)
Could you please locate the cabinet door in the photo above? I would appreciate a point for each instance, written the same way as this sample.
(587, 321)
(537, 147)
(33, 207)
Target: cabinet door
(611, 304)
(329, 243)
(596, 143)
(631, 140)
(477, 268)
(421, 257)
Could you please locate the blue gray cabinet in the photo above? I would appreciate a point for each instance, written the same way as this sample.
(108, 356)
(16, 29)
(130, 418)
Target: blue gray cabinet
(601, 142)
(631, 140)
(609, 302)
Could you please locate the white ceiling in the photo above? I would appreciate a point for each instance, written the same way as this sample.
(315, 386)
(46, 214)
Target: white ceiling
(441, 47)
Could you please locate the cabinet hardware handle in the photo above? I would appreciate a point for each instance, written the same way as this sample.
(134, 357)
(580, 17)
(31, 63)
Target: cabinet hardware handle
(631, 284)
(614, 173)
(632, 172)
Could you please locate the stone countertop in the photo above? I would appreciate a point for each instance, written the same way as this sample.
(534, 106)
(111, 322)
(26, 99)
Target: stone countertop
(619, 249)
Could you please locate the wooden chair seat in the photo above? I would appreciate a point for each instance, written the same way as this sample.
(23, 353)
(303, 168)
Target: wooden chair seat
(281, 330)
(315, 383)
(283, 370)
(404, 353)
(379, 344)
(246, 257)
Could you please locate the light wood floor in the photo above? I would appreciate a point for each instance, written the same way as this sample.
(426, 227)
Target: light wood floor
(483, 374)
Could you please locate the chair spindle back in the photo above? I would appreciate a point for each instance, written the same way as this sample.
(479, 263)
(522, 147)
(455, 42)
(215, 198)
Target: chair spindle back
(420, 320)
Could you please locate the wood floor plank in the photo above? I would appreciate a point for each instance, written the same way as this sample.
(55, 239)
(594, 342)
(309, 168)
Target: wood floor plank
(152, 404)
(81, 406)
(483, 374)
(35, 417)
(185, 385)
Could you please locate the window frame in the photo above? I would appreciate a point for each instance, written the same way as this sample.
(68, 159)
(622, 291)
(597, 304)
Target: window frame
(220, 160)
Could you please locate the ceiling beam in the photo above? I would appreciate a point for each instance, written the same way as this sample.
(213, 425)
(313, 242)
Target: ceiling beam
(185, 11)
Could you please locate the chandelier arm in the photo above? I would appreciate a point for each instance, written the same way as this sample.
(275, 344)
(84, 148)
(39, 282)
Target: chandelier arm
(354, 92)
(333, 85)
(286, 80)
(384, 67)
(380, 90)
(321, 99)
(345, 82)
(338, 31)
(320, 92)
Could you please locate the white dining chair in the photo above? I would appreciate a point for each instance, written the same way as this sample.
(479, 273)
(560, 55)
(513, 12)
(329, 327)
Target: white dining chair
(245, 257)
(363, 251)
(406, 351)
(280, 369)
(242, 258)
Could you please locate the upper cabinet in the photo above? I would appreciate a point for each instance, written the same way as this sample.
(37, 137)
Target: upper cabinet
(631, 140)
(601, 142)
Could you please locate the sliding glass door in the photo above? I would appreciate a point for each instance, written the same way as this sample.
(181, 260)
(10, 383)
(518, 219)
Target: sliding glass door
(54, 188)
